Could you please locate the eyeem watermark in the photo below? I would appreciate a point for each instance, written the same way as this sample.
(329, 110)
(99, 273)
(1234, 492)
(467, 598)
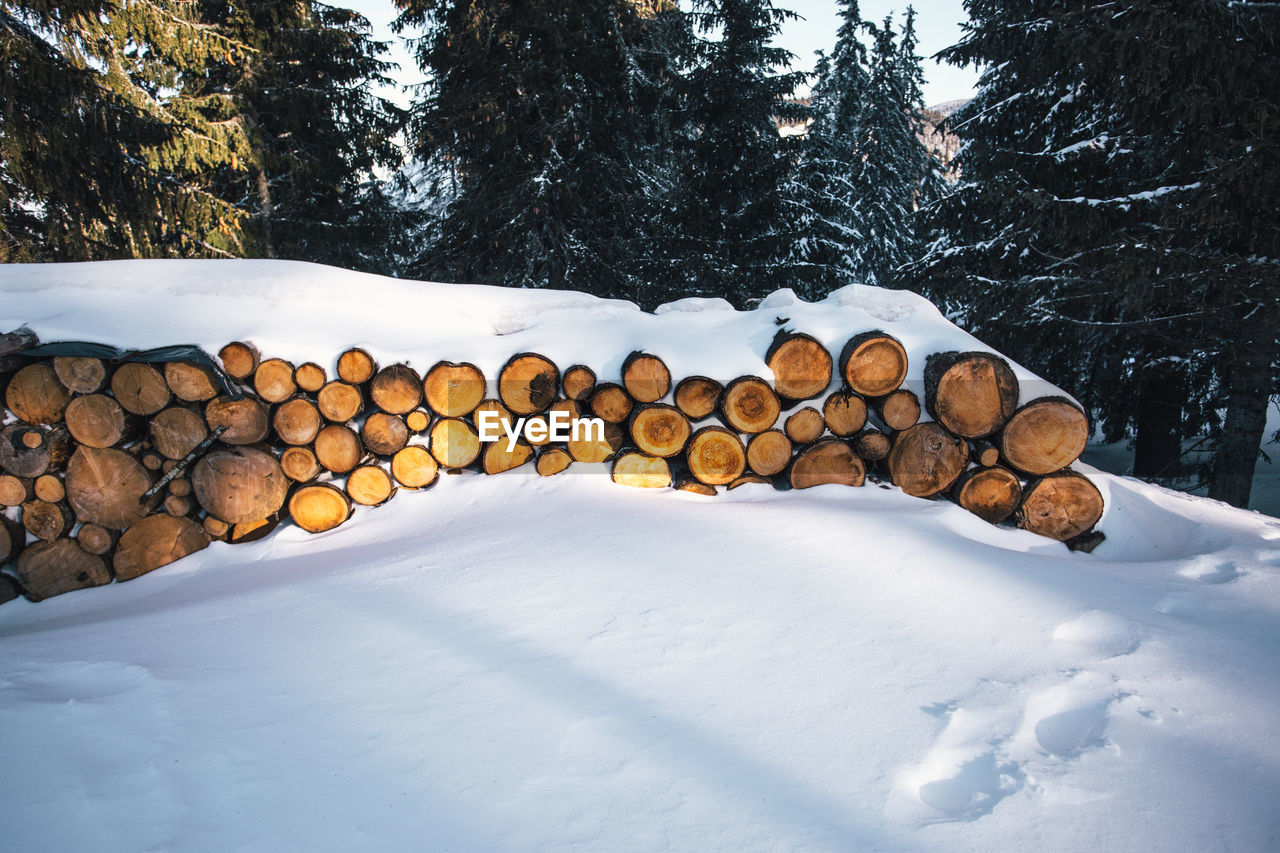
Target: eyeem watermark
(555, 426)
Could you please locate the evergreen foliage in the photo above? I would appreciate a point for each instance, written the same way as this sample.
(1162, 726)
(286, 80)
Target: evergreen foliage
(316, 128)
(865, 170)
(545, 128)
(730, 227)
(104, 151)
(1116, 228)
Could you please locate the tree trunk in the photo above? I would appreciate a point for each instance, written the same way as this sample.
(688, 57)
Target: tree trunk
(830, 461)
(156, 541)
(266, 212)
(1248, 395)
(1157, 446)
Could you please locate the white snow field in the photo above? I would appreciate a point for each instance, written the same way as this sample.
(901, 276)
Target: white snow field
(515, 663)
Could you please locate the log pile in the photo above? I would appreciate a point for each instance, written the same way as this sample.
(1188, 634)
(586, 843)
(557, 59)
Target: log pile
(111, 470)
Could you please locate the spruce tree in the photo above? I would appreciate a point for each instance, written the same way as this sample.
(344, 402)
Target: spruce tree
(865, 170)
(730, 227)
(104, 151)
(543, 126)
(1116, 227)
(827, 186)
(316, 128)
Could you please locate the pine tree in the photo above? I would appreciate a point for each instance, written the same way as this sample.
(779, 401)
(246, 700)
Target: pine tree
(317, 131)
(1116, 227)
(865, 171)
(730, 227)
(827, 187)
(104, 152)
(544, 127)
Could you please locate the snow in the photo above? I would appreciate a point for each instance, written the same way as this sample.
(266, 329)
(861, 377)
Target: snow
(514, 663)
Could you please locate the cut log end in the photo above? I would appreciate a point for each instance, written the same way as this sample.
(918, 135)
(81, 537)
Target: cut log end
(384, 434)
(749, 405)
(528, 383)
(645, 377)
(698, 397)
(338, 449)
(81, 375)
(640, 470)
(830, 461)
(611, 403)
(454, 443)
(156, 541)
(926, 459)
(594, 445)
(46, 569)
(992, 494)
(339, 401)
(297, 421)
(552, 461)
(872, 445)
(319, 507)
(899, 410)
(396, 390)
(273, 380)
(1060, 506)
(96, 420)
(690, 484)
(972, 394)
(355, 366)
(873, 364)
(299, 464)
(140, 388)
(105, 486)
(845, 414)
(414, 467)
(310, 377)
(578, 382)
(240, 484)
(453, 390)
(36, 395)
(177, 431)
(239, 360)
(191, 382)
(805, 426)
(370, 485)
(245, 419)
(801, 366)
(769, 452)
(716, 456)
(1044, 436)
(660, 430)
(501, 456)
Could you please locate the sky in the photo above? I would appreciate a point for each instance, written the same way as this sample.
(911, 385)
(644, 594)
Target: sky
(937, 23)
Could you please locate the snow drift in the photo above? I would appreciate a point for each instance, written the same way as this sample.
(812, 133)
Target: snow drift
(506, 664)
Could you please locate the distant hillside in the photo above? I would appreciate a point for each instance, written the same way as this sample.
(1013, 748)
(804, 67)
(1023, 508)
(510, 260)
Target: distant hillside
(943, 144)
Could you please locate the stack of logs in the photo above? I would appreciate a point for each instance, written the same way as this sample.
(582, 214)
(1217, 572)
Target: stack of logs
(117, 469)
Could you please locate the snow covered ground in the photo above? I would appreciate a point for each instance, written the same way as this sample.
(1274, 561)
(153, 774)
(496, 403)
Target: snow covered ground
(515, 663)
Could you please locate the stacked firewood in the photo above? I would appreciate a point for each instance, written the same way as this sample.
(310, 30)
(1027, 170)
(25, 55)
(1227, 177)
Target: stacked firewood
(112, 470)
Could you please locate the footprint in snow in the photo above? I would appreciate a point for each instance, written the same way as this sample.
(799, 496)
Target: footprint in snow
(975, 789)
(1214, 573)
(1099, 634)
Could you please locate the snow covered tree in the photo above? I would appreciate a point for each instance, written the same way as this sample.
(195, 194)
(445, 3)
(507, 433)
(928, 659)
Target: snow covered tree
(316, 129)
(550, 121)
(729, 226)
(1113, 228)
(104, 150)
(865, 170)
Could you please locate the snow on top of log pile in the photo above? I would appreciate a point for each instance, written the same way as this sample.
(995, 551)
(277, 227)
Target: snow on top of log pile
(307, 312)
